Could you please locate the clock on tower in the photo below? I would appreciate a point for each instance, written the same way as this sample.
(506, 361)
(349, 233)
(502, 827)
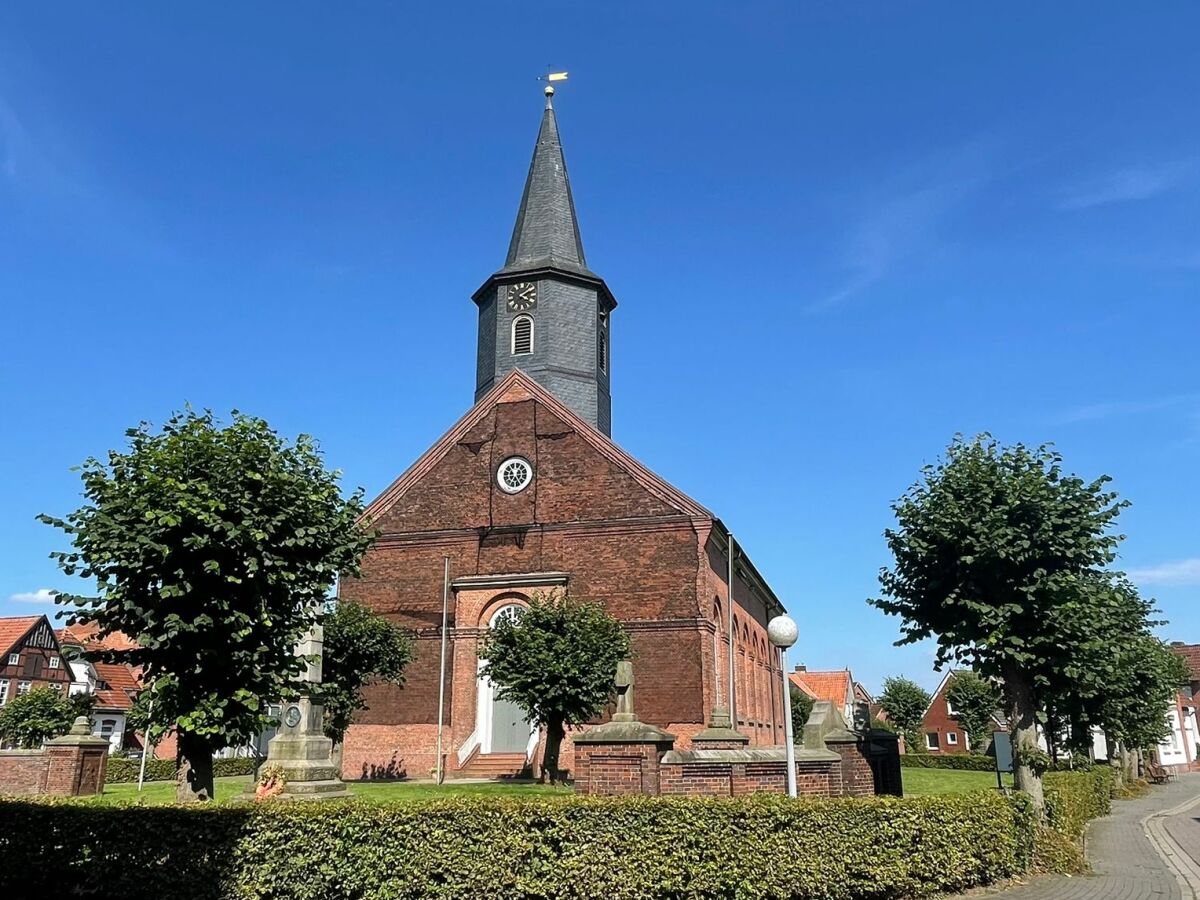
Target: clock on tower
(522, 297)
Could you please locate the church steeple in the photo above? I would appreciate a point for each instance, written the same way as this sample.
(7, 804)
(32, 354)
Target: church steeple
(547, 231)
(544, 311)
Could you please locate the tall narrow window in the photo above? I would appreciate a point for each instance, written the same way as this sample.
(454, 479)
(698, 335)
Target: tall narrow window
(522, 335)
(602, 342)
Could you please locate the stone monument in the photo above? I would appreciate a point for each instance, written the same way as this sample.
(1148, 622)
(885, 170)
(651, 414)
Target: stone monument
(300, 751)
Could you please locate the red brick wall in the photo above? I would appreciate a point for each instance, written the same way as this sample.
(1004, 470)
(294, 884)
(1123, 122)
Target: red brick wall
(857, 778)
(621, 545)
(23, 771)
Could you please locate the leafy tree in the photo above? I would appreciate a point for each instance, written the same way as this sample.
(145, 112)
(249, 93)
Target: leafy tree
(975, 701)
(905, 703)
(360, 647)
(557, 661)
(214, 548)
(30, 719)
(1146, 676)
(996, 555)
(802, 705)
(81, 704)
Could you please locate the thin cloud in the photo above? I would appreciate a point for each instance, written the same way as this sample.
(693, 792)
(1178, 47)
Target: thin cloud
(1128, 185)
(1181, 572)
(1093, 412)
(41, 595)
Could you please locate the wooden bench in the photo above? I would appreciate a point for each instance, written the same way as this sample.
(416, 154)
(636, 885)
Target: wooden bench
(1158, 775)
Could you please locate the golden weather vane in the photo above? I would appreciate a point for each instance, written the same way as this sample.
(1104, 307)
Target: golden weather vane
(550, 78)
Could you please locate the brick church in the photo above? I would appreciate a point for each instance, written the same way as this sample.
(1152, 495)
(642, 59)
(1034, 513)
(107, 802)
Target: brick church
(528, 493)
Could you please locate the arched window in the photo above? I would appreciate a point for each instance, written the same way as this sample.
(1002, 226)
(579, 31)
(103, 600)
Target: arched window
(522, 335)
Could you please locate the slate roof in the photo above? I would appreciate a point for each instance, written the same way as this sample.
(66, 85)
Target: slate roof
(13, 628)
(547, 231)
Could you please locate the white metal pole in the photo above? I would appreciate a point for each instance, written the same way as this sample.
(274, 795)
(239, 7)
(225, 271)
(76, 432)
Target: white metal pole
(732, 701)
(146, 748)
(442, 665)
(788, 744)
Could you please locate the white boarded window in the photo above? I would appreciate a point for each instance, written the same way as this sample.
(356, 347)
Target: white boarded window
(522, 335)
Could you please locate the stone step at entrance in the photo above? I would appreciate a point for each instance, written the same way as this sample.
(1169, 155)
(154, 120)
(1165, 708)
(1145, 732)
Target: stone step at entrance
(493, 765)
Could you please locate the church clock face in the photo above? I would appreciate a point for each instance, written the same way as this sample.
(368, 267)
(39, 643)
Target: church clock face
(522, 297)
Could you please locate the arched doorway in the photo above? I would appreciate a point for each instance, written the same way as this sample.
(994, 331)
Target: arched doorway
(502, 725)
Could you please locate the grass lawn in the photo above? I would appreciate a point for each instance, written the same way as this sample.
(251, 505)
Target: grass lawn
(157, 793)
(919, 782)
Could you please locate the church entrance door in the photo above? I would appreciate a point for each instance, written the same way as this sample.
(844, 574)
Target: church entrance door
(504, 726)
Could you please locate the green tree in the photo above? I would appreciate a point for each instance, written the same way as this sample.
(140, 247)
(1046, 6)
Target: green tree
(1145, 678)
(81, 704)
(802, 705)
(214, 548)
(975, 701)
(996, 555)
(557, 661)
(30, 719)
(905, 703)
(360, 648)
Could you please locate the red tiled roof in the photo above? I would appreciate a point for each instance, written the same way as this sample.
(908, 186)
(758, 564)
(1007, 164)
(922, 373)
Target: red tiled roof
(1191, 655)
(13, 628)
(831, 686)
(81, 635)
(121, 688)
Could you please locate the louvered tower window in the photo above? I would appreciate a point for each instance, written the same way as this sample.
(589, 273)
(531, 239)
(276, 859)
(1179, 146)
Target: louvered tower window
(522, 335)
(602, 342)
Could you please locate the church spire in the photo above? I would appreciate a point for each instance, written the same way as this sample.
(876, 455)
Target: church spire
(547, 232)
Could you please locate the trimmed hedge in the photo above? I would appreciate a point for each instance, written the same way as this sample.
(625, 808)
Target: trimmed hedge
(974, 762)
(1072, 800)
(637, 847)
(122, 769)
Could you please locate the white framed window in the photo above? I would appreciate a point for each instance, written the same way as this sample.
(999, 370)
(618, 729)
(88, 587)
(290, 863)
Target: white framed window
(106, 727)
(514, 474)
(522, 335)
(952, 738)
(3, 691)
(950, 710)
(14, 659)
(931, 740)
(54, 662)
(23, 687)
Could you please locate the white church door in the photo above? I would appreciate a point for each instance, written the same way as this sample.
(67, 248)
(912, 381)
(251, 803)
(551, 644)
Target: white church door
(503, 726)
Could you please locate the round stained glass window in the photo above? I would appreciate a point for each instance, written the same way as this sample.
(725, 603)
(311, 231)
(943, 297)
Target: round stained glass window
(514, 474)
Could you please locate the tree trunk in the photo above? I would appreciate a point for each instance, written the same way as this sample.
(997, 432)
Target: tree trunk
(1128, 763)
(1114, 761)
(554, 739)
(1022, 714)
(194, 769)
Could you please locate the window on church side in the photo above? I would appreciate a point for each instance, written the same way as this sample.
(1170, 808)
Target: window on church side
(522, 335)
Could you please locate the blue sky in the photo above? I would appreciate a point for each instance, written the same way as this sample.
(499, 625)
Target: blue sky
(839, 235)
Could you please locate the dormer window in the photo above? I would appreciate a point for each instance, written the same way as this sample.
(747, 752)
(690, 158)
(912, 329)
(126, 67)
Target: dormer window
(522, 335)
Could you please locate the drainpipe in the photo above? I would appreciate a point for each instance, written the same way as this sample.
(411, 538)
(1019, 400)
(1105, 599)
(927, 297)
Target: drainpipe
(729, 616)
(442, 667)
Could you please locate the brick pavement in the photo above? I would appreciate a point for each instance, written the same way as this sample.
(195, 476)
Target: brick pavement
(1127, 862)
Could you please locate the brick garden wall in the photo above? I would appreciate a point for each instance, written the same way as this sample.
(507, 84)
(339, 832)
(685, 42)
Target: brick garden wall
(23, 771)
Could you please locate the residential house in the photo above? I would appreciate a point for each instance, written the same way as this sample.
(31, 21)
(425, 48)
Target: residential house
(1182, 748)
(114, 685)
(838, 687)
(941, 732)
(30, 657)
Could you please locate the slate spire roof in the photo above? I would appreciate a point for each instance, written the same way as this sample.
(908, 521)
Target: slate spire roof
(547, 230)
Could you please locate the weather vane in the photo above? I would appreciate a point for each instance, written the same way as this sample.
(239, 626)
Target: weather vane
(550, 78)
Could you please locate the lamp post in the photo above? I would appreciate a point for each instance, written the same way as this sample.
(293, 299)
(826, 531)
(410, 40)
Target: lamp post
(782, 632)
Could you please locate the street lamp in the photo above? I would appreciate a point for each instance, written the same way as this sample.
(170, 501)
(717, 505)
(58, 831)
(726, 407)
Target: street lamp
(782, 632)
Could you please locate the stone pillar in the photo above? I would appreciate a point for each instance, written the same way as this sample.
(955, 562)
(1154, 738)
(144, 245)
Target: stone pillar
(720, 734)
(77, 762)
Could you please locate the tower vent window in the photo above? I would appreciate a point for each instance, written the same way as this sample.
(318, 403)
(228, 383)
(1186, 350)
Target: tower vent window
(522, 335)
(602, 343)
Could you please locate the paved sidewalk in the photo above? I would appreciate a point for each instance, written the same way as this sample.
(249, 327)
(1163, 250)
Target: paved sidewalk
(1127, 852)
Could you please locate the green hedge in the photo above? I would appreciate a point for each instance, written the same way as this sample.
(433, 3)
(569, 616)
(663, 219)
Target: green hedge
(970, 761)
(1074, 798)
(764, 846)
(123, 769)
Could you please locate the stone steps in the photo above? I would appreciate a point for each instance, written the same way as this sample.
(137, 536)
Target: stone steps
(493, 765)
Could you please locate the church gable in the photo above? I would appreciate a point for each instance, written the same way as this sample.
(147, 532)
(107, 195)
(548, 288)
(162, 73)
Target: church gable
(578, 474)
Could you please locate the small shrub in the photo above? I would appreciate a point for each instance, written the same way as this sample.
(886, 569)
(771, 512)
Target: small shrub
(619, 848)
(123, 770)
(973, 762)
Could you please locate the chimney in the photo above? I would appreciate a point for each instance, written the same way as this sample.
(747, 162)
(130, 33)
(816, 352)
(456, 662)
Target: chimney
(1178, 644)
(801, 668)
